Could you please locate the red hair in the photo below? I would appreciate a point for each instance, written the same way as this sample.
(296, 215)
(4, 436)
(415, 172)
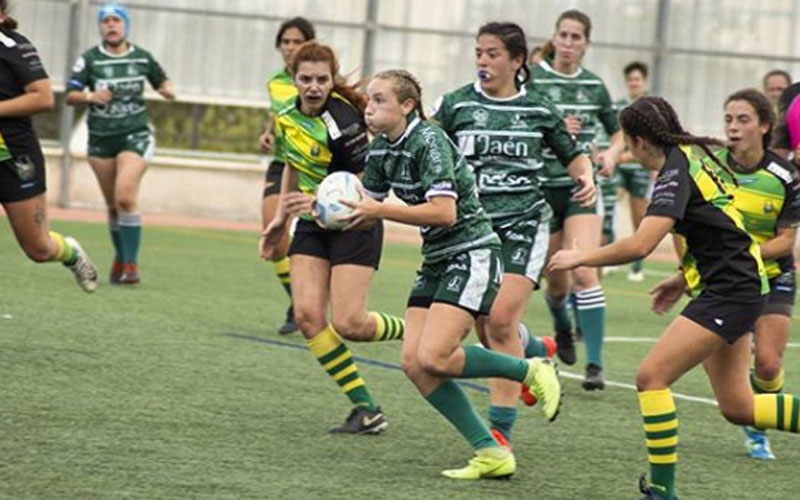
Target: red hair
(313, 51)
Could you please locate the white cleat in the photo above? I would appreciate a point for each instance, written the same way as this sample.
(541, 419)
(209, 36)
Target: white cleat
(84, 270)
(636, 277)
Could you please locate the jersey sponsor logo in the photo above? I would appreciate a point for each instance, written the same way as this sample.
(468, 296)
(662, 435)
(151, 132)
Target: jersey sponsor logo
(780, 172)
(455, 284)
(24, 168)
(502, 181)
(457, 266)
(491, 145)
(434, 154)
(442, 186)
(420, 281)
(519, 256)
(769, 207)
(481, 117)
(315, 150)
(554, 93)
(518, 122)
(581, 96)
(330, 123)
(719, 321)
(108, 71)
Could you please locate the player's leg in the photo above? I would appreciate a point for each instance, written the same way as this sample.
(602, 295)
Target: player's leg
(131, 166)
(28, 219)
(280, 260)
(583, 229)
(105, 170)
(683, 345)
(638, 187)
(311, 295)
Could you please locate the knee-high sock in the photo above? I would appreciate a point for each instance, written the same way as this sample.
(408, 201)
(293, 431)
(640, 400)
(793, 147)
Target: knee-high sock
(337, 360)
(483, 363)
(560, 312)
(116, 239)
(762, 386)
(64, 251)
(502, 418)
(661, 430)
(130, 232)
(777, 411)
(387, 327)
(591, 305)
(532, 345)
(449, 400)
(281, 268)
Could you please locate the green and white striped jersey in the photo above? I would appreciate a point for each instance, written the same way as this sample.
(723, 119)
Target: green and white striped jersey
(503, 140)
(424, 163)
(582, 94)
(124, 75)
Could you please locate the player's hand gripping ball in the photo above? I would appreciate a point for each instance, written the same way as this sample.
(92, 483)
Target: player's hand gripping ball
(333, 188)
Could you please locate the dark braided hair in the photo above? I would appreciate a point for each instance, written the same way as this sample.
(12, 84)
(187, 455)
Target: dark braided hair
(404, 86)
(515, 42)
(762, 107)
(653, 118)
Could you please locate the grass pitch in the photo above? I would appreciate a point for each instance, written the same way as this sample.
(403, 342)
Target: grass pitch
(181, 388)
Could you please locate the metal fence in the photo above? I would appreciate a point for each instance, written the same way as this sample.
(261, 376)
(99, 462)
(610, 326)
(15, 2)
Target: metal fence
(220, 52)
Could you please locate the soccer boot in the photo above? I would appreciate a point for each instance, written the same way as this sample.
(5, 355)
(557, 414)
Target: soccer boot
(500, 438)
(288, 326)
(525, 394)
(130, 274)
(636, 276)
(649, 492)
(116, 273)
(542, 381)
(488, 463)
(757, 444)
(84, 270)
(593, 380)
(362, 421)
(565, 347)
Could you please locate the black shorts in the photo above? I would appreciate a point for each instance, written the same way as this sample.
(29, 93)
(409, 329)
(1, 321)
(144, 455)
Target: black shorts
(272, 179)
(361, 248)
(781, 295)
(23, 176)
(730, 319)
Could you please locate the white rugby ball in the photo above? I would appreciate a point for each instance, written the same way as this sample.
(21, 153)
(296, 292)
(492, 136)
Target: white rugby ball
(333, 188)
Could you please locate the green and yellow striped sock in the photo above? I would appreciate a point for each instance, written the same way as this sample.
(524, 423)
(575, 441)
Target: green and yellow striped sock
(64, 253)
(774, 386)
(281, 268)
(777, 411)
(661, 430)
(387, 327)
(337, 360)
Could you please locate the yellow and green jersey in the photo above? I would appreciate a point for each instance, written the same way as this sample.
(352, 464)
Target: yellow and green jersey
(282, 94)
(582, 94)
(316, 146)
(720, 257)
(768, 198)
(125, 76)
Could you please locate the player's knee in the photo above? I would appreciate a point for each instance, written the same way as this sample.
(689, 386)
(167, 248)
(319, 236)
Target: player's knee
(351, 327)
(585, 277)
(38, 251)
(309, 321)
(737, 412)
(411, 367)
(125, 202)
(501, 327)
(649, 379)
(768, 367)
(433, 363)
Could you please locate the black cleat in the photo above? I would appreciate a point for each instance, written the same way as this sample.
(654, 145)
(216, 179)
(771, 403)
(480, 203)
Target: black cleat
(362, 421)
(288, 326)
(594, 378)
(648, 491)
(565, 347)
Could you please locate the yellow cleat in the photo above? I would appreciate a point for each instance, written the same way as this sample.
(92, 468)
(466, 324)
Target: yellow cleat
(542, 380)
(488, 463)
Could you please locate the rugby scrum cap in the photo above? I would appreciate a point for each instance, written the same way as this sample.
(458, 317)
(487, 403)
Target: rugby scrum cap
(115, 10)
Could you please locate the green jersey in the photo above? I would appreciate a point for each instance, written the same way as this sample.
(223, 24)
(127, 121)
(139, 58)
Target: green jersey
(282, 94)
(423, 163)
(503, 140)
(581, 94)
(124, 75)
(619, 105)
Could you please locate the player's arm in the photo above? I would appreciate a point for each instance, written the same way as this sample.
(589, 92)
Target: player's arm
(38, 97)
(266, 140)
(578, 165)
(781, 245)
(437, 211)
(166, 90)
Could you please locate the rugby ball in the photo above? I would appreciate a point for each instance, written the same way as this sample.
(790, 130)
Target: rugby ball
(334, 188)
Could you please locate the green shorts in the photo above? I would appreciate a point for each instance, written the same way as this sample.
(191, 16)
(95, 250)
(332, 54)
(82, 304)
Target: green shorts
(559, 199)
(525, 246)
(469, 280)
(635, 179)
(141, 142)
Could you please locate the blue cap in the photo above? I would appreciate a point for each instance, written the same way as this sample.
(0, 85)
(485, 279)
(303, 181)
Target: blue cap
(116, 10)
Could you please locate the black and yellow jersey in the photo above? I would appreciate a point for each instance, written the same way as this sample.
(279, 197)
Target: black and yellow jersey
(334, 140)
(768, 198)
(720, 257)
